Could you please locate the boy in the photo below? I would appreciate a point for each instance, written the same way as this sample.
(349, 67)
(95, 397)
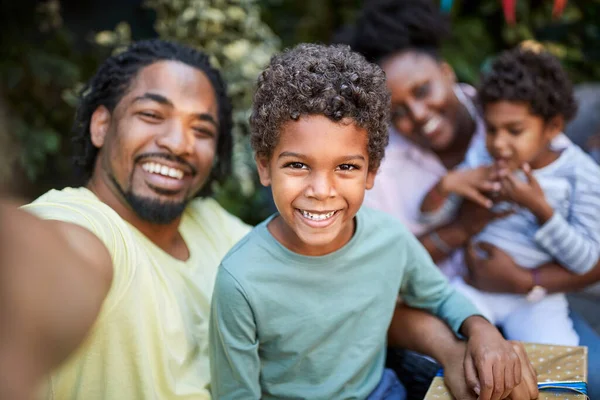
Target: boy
(553, 187)
(302, 304)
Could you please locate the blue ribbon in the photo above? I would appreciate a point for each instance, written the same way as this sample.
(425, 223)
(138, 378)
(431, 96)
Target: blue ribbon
(578, 387)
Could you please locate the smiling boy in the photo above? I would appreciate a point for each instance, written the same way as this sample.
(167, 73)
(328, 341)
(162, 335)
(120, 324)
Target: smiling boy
(302, 304)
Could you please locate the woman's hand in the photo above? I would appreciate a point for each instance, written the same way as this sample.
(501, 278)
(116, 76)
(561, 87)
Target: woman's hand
(471, 184)
(472, 217)
(495, 271)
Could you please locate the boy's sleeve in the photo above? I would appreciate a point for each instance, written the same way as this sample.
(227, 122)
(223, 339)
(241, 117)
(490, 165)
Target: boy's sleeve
(234, 360)
(424, 286)
(575, 242)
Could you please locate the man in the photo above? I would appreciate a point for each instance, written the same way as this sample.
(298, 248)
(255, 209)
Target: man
(112, 282)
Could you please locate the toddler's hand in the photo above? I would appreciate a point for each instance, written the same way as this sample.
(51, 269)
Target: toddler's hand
(528, 194)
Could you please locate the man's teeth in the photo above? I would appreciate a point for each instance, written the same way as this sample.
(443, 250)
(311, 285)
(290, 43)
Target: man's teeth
(431, 125)
(156, 168)
(317, 217)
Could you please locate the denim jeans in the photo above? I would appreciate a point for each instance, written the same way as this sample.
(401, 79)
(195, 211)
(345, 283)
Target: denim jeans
(590, 338)
(389, 388)
(414, 371)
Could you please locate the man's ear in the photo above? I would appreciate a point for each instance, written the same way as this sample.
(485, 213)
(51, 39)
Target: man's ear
(264, 171)
(554, 126)
(371, 178)
(99, 124)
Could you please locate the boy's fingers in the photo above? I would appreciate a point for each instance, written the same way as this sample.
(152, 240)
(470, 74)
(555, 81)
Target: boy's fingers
(471, 376)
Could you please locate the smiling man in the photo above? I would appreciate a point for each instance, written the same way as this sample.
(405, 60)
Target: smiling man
(143, 240)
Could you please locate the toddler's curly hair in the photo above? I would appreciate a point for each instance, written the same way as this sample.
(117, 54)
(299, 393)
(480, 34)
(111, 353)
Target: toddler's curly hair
(533, 77)
(313, 79)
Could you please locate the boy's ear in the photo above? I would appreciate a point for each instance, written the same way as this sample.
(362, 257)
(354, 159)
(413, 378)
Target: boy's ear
(554, 126)
(264, 172)
(99, 124)
(371, 178)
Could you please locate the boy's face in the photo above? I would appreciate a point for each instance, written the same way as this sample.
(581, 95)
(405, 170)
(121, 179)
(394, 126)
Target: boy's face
(318, 173)
(516, 136)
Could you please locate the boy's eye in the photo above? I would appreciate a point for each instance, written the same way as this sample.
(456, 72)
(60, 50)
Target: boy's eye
(295, 165)
(348, 167)
(515, 132)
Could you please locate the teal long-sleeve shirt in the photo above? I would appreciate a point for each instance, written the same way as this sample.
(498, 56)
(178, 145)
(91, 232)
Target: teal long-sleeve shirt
(287, 326)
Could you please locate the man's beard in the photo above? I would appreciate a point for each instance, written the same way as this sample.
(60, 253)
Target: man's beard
(152, 210)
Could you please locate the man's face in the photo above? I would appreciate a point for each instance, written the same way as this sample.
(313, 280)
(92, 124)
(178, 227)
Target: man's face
(158, 145)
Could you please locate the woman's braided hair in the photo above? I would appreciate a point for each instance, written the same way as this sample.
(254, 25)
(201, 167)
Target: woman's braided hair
(114, 77)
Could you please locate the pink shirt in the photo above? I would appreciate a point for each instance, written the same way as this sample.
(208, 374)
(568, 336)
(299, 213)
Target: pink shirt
(408, 172)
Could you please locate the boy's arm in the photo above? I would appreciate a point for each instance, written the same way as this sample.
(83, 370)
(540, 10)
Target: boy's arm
(573, 242)
(234, 360)
(489, 356)
(424, 333)
(54, 277)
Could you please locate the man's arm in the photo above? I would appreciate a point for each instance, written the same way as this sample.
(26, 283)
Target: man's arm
(422, 332)
(234, 360)
(54, 277)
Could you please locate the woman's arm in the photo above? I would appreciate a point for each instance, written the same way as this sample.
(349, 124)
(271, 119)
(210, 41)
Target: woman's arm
(499, 273)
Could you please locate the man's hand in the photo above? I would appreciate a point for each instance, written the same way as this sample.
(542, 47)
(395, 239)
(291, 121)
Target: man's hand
(496, 271)
(528, 388)
(528, 194)
(471, 184)
(492, 366)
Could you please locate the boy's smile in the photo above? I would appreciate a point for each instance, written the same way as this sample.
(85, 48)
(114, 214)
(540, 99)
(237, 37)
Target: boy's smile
(318, 172)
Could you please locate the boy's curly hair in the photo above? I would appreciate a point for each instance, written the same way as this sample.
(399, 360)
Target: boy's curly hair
(536, 78)
(323, 80)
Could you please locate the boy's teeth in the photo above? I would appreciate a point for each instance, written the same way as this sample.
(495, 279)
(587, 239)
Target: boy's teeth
(317, 217)
(155, 168)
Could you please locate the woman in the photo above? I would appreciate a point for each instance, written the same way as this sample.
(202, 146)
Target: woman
(434, 122)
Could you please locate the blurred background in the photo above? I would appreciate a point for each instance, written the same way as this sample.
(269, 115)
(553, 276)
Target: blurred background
(50, 48)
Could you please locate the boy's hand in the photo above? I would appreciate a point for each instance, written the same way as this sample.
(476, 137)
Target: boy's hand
(528, 194)
(492, 366)
(471, 184)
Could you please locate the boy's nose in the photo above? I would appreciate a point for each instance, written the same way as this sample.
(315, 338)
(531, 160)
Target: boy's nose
(321, 187)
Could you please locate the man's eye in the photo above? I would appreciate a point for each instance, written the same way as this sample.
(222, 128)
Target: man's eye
(515, 132)
(150, 115)
(203, 132)
(348, 167)
(295, 165)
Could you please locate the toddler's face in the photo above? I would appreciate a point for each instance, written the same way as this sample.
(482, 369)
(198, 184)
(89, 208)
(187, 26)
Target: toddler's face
(318, 173)
(516, 136)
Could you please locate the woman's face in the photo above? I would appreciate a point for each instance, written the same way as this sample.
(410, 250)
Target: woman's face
(424, 106)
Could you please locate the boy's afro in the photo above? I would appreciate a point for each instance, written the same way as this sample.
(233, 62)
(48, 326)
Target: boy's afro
(314, 79)
(536, 78)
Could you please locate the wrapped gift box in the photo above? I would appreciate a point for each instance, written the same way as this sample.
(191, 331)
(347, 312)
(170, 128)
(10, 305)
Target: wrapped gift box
(557, 367)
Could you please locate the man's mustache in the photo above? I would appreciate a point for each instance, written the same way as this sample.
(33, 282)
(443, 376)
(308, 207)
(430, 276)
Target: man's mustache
(169, 157)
